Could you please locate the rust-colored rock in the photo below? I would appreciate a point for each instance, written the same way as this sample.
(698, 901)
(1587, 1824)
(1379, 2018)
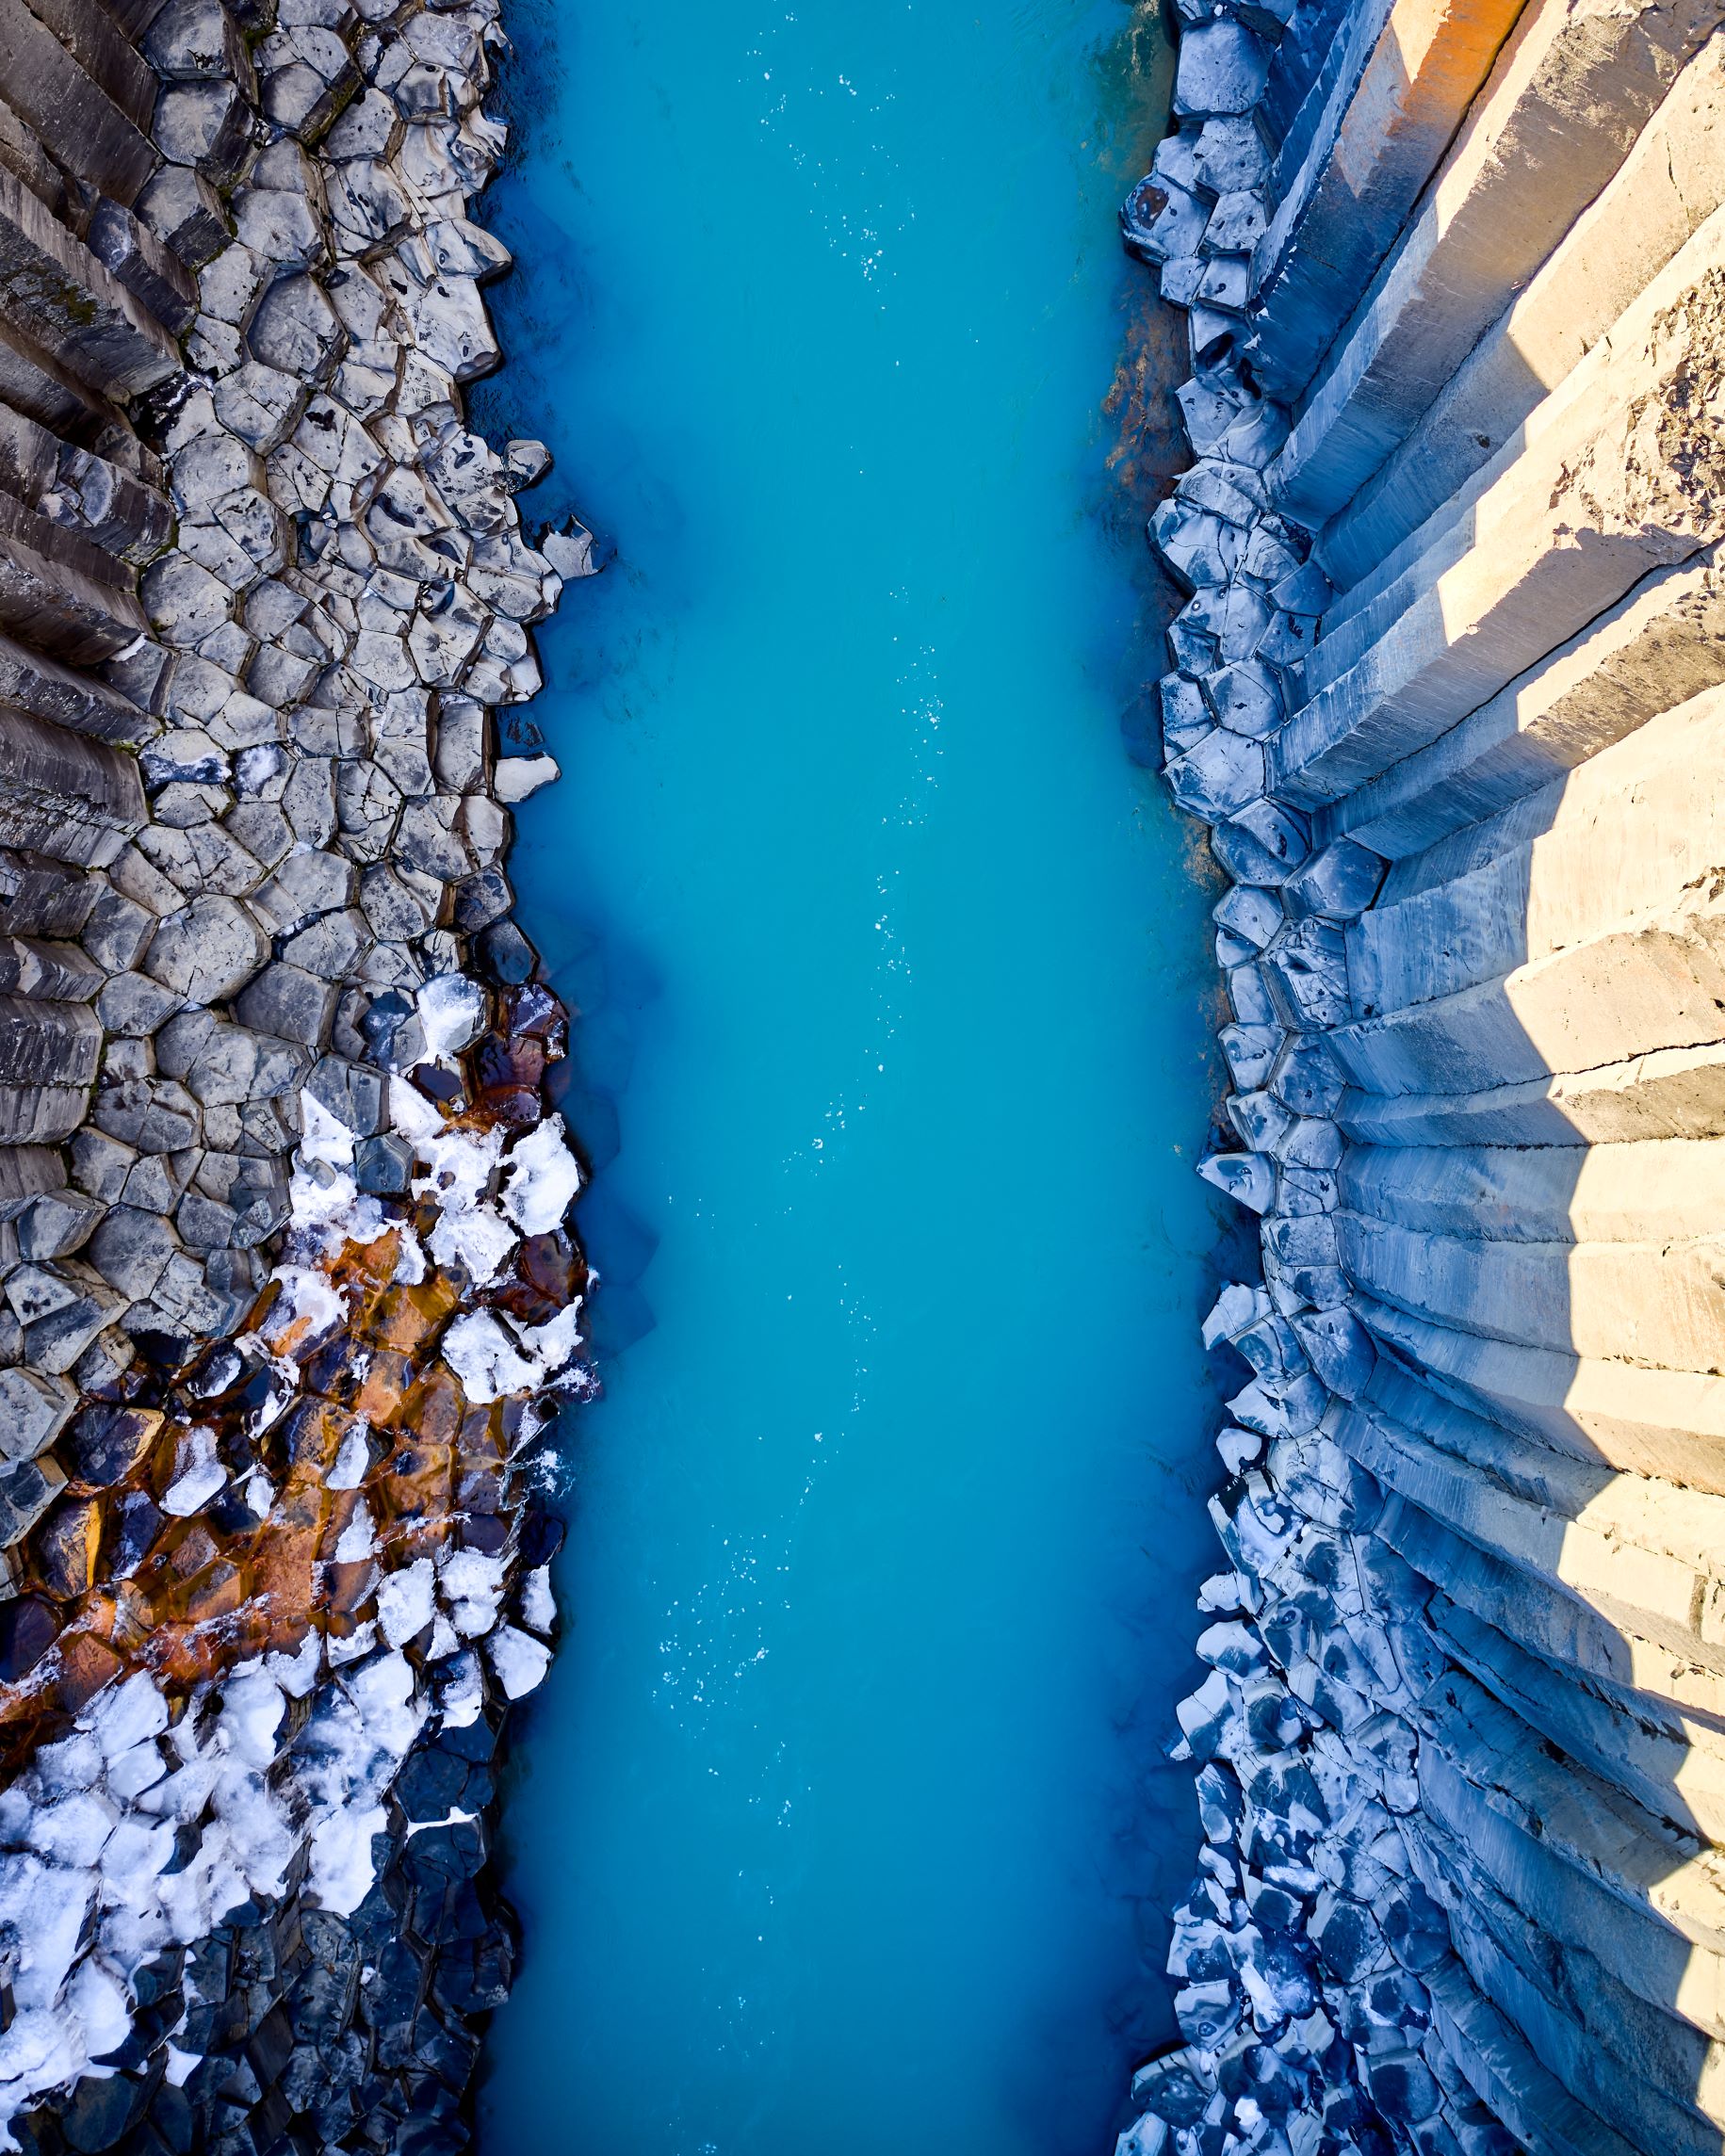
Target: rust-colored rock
(67, 1548)
(406, 1318)
(86, 1664)
(382, 1396)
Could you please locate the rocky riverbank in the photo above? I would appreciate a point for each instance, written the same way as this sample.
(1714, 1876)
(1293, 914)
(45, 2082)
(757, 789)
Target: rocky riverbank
(1445, 692)
(291, 1289)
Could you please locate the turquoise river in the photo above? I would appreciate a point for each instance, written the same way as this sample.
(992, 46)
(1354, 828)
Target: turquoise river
(844, 1825)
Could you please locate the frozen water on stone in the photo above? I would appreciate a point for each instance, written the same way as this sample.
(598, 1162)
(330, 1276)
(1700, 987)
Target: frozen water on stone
(540, 1180)
(484, 1357)
(460, 1165)
(358, 1539)
(308, 1296)
(252, 1709)
(538, 1603)
(352, 1461)
(474, 1238)
(126, 1714)
(519, 1660)
(341, 1864)
(493, 1357)
(405, 1605)
(452, 1011)
(514, 778)
(463, 1694)
(199, 1475)
(470, 1583)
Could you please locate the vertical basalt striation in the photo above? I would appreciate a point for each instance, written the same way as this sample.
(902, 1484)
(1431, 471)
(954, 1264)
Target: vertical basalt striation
(1448, 690)
(290, 1292)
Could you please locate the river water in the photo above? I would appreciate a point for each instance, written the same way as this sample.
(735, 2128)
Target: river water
(842, 1824)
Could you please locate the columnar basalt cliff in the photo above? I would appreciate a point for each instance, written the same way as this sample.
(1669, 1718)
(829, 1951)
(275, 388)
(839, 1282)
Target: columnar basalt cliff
(1449, 692)
(288, 1285)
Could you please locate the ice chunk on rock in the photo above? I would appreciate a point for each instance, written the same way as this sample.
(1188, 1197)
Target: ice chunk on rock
(405, 1605)
(452, 1011)
(541, 1179)
(200, 1477)
(514, 778)
(519, 1660)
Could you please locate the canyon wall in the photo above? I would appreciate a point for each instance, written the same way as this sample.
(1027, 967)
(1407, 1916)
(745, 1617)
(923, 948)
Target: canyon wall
(288, 1290)
(1449, 692)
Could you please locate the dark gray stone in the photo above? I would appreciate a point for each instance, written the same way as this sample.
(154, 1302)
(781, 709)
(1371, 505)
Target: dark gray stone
(185, 213)
(34, 1409)
(203, 1224)
(329, 947)
(352, 1092)
(131, 1250)
(148, 268)
(506, 956)
(482, 899)
(196, 40)
(291, 1004)
(133, 1004)
(56, 1225)
(208, 951)
(304, 886)
(383, 1165)
(100, 1164)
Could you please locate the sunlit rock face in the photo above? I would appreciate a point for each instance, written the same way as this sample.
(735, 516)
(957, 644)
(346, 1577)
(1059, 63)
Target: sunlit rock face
(1448, 690)
(290, 1292)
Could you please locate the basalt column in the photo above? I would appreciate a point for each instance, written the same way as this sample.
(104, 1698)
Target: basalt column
(1449, 690)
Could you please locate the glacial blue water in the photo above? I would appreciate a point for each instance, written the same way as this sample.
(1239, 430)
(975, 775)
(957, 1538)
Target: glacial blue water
(842, 1824)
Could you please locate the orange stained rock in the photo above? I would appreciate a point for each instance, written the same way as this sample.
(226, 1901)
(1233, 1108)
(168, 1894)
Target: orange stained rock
(482, 1433)
(346, 1589)
(68, 1548)
(185, 1655)
(414, 1538)
(406, 1318)
(283, 1630)
(185, 1548)
(362, 1272)
(290, 1331)
(203, 1594)
(284, 1569)
(215, 1592)
(367, 1268)
(434, 1408)
(126, 1613)
(86, 1664)
(311, 1433)
(416, 1483)
(302, 1504)
(27, 1720)
(481, 1486)
(383, 1393)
